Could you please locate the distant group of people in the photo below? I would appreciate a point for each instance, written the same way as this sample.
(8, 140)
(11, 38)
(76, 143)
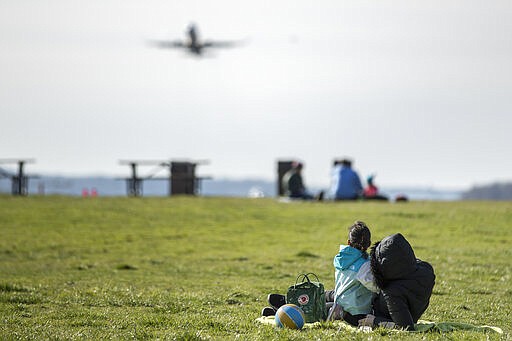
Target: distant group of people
(389, 287)
(345, 184)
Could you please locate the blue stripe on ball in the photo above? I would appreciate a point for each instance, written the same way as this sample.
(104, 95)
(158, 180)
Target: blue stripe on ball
(296, 315)
(290, 316)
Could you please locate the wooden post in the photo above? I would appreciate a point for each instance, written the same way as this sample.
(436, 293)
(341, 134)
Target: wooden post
(282, 168)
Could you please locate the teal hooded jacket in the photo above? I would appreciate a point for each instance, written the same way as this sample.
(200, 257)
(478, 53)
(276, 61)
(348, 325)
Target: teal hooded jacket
(353, 280)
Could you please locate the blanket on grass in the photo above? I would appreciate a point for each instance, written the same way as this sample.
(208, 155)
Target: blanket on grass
(421, 326)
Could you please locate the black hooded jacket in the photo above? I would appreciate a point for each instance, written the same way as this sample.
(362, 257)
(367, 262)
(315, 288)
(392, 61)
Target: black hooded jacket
(406, 282)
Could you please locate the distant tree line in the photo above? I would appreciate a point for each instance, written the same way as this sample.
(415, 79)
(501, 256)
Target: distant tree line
(496, 191)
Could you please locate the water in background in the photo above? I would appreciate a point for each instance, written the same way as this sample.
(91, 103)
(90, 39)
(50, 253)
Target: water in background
(106, 186)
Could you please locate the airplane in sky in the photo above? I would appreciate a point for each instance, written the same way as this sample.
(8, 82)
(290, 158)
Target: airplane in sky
(193, 43)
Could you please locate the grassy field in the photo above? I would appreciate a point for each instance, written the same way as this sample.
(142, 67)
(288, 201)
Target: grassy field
(200, 268)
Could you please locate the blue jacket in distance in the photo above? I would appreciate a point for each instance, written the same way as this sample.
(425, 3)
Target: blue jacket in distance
(346, 183)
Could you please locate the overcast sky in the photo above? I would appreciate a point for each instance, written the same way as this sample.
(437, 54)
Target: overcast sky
(418, 92)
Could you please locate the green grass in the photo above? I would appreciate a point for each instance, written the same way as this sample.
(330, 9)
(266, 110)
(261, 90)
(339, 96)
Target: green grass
(200, 268)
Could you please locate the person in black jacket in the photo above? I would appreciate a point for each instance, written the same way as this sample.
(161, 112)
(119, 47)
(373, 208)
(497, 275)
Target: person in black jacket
(293, 184)
(405, 284)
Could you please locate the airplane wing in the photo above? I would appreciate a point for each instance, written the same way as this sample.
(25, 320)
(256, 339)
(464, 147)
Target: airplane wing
(220, 43)
(167, 44)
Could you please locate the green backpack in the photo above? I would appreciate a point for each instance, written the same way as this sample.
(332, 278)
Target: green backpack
(309, 296)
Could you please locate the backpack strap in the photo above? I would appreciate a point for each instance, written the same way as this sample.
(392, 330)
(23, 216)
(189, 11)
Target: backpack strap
(310, 273)
(304, 278)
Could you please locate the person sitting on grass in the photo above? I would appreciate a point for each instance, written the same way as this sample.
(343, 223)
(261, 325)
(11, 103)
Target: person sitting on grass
(293, 184)
(345, 182)
(371, 192)
(405, 284)
(354, 289)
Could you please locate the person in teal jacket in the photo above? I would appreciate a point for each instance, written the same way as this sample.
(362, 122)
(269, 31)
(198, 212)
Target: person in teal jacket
(355, 287)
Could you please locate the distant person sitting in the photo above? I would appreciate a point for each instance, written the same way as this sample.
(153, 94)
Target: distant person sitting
(346, 184)
(293, 184)
(371, 191)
